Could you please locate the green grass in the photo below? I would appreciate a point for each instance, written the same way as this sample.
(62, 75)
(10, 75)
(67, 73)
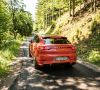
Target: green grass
(9, 51)
(4, 70)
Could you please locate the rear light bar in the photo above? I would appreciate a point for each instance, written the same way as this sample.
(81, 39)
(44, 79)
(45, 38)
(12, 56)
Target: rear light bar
(44, 48)
(48, 48)
(73, 47)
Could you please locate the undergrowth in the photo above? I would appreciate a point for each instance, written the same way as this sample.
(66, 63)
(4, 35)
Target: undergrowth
(89, 49)
(7, 52)
(85, 31)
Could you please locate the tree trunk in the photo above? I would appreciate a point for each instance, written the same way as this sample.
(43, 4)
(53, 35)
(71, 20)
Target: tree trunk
(52, 9)
(59, 12)
(94, 5)
(70, 7)
(92, 2)
(73, 7)
(13, 21)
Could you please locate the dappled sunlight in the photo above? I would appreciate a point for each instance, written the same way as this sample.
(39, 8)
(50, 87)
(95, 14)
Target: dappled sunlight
(51, 83)
(54, 78)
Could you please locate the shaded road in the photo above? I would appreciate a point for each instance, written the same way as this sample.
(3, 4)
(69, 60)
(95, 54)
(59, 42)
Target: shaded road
(78, 77)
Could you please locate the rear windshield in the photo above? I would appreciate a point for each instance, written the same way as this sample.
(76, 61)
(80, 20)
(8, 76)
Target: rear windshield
(56, 41)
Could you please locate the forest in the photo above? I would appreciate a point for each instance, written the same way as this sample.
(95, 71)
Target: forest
(15, 25)
(48, 11)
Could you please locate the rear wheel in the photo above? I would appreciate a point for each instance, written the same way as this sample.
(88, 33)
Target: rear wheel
(36, 65)
(70, 65)
(30, 53)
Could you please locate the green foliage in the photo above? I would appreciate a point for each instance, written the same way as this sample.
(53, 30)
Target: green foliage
(7, 52)
(3, 66)
(89, 49)
(20, 19)
(85, 31)
(94, 57)
(49, 10)
(4, 21)
(14, 20)
(50, 29)
(24, 23)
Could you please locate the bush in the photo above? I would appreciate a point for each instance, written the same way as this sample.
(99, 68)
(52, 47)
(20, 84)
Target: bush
(94, 57)
(3, 66)
(9, 51)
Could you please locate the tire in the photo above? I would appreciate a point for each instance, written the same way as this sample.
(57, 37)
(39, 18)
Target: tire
(70, 65)
(30, 53)
(36, 65)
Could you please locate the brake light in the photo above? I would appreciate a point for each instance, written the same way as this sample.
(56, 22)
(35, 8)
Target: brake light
(73, 47)
(44, 48)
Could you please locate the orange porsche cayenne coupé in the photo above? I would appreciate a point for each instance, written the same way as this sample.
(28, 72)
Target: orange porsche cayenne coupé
(49, 50)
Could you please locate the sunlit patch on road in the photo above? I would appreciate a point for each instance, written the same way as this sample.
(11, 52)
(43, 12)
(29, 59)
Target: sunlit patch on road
(51, 78)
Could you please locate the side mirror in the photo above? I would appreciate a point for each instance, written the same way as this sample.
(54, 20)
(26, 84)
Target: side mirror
(30, 41)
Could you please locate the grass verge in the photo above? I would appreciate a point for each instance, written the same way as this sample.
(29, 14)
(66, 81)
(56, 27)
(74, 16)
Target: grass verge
(7, 53)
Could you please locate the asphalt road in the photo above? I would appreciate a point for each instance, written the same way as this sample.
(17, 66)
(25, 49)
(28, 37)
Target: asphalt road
(78, 77)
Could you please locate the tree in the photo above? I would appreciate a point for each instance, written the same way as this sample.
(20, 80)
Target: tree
(4, 20)
(14, 20)
(14, 5)
(49, 10)
(73, 1)
(93, 3)
(71, 7)
(24, 23)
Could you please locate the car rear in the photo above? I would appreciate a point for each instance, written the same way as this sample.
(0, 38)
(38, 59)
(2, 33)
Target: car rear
(56, 50)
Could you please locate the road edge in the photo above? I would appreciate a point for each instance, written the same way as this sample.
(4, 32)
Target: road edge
(89, 65)
(10, 79)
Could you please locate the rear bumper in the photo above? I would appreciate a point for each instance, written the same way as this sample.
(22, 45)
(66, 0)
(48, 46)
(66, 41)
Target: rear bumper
(51, 59)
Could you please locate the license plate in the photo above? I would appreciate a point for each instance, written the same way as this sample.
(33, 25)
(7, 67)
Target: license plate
(61, 58)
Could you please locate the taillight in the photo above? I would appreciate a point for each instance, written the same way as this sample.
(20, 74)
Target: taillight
(44, 48)
(73, 47)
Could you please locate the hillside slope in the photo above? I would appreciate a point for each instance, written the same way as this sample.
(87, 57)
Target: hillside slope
(83, 29)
